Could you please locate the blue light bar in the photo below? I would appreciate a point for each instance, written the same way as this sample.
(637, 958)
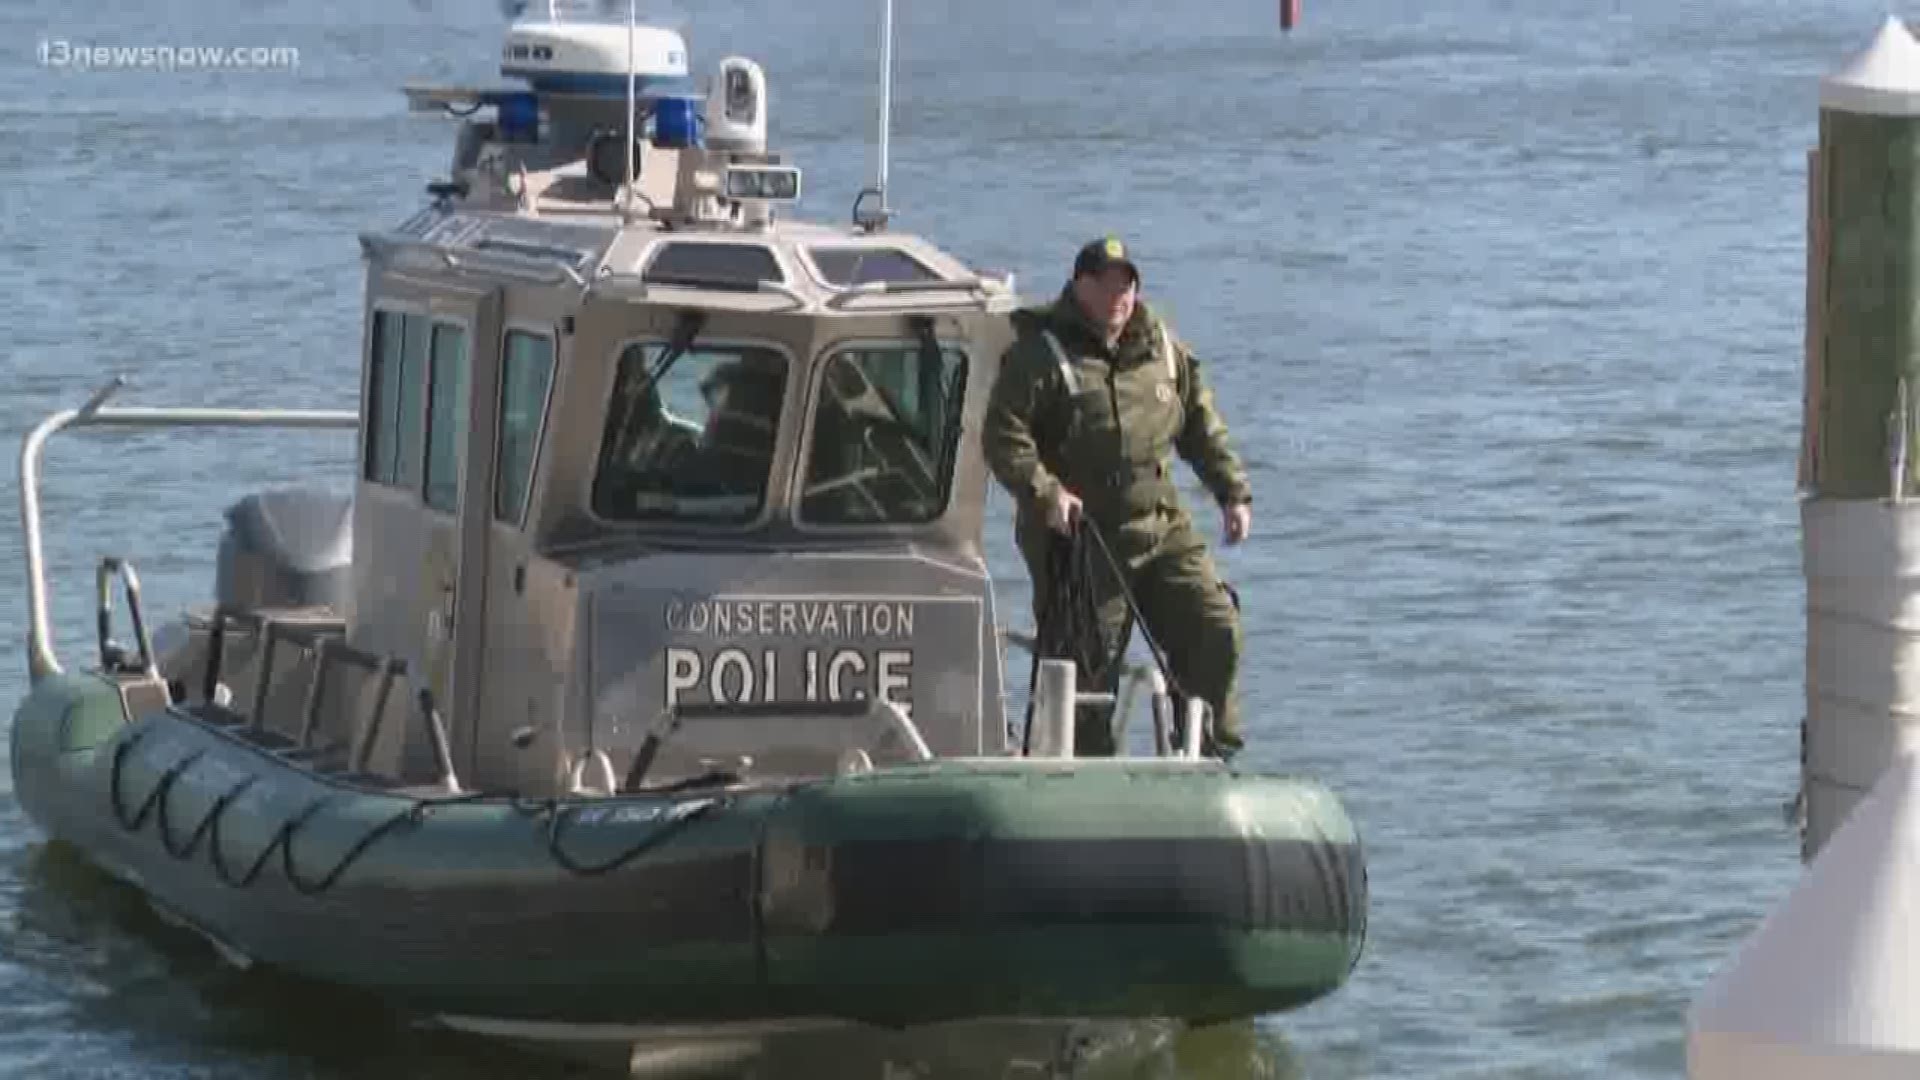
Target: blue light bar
(519, 115)
(676, 123)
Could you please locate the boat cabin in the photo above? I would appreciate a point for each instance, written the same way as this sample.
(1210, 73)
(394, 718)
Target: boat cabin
(653, 483)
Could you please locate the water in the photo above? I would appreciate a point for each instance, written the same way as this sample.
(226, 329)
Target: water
(1503, 301)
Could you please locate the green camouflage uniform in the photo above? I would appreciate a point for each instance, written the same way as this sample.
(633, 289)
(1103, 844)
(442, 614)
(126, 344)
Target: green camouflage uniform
(1104, 422)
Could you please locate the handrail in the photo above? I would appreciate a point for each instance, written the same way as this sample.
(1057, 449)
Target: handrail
(536, 269)
(509, 265)
(109, 568)
(980, 291)
(1132, 675)
(669, 720)
(437, 738)
(41, 661)
(627, 285)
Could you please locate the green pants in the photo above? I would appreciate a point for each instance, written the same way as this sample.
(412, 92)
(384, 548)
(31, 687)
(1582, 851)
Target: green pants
(1188, 612)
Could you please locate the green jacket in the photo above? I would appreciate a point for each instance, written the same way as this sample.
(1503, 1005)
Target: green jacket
(1106, 422)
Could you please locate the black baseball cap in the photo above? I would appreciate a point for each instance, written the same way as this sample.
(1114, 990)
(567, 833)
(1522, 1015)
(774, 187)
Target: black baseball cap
(1097, 255)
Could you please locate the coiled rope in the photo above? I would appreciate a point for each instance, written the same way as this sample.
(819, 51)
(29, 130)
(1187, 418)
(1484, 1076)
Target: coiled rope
(1068, 619)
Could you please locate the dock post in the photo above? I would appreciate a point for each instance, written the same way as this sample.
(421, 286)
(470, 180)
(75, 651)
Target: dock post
(1823, 985)
(1859, 526)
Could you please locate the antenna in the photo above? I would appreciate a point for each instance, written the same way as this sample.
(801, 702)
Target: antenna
(870, 220)
(886, 91)
(626, 208)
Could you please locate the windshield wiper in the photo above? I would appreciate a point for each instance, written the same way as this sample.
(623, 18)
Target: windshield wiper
(684, 332)
(930, 355)
(619, 434)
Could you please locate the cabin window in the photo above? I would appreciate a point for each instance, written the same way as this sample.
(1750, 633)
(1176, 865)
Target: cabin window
(526, 374)
(845, 266)
(446, 417)
(695, 445)
(885, 432)
(383, 398)
(412, 419)
(716, 265)
(396, 414)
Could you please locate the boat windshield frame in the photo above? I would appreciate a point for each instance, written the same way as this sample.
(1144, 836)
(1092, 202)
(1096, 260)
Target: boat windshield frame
(633, 357)
(947, 458)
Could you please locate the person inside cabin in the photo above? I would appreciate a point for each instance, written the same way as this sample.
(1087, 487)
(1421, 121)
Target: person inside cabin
(644, 448)
(1093, 399)
(654, 440)
(735, 447)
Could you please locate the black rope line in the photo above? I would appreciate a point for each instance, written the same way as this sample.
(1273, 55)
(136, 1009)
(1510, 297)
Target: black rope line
(1068, 619)
(678, 824)
(1133, 610)
(208, 830)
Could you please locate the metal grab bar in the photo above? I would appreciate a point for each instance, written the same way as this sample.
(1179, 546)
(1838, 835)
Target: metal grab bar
(621, 284)
(1132, 675)
(982, 292)
(667, 723)
(111, 658)
(541, 269)
(437, 738)
(41, 661)
(974, 288)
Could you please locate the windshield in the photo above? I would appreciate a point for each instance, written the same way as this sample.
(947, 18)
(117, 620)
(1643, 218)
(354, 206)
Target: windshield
(696, 446)
(885, 430)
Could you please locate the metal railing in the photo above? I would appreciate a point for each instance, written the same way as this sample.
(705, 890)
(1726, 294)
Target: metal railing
(1056, 697)
(974, 291)
(623, 285)
(112, 658)
(425, 256)
(986, 294)
(1055, 694)
(41, 661)
(881, 718)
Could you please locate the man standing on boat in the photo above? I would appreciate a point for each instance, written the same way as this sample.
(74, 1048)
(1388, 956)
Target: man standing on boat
(1093, 399)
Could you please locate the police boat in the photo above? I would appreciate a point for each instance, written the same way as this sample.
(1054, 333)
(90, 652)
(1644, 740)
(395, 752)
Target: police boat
(646, 682)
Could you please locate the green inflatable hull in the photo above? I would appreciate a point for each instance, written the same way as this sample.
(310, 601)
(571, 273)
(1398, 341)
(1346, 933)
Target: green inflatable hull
(946, 891)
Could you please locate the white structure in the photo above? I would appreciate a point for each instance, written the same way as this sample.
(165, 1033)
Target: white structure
(584, 57)
(1862, 556)
(1828, 988)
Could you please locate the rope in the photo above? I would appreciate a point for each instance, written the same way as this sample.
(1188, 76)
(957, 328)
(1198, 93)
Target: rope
(679, 817)
(208, 830)
(1069, 615)
(1134, 617)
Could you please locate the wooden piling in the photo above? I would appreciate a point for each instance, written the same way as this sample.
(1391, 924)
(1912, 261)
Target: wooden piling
(1860, 534)
(1864, 363)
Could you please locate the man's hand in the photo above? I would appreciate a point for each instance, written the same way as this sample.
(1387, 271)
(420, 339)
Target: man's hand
(1237, 521)
(1062, 511)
